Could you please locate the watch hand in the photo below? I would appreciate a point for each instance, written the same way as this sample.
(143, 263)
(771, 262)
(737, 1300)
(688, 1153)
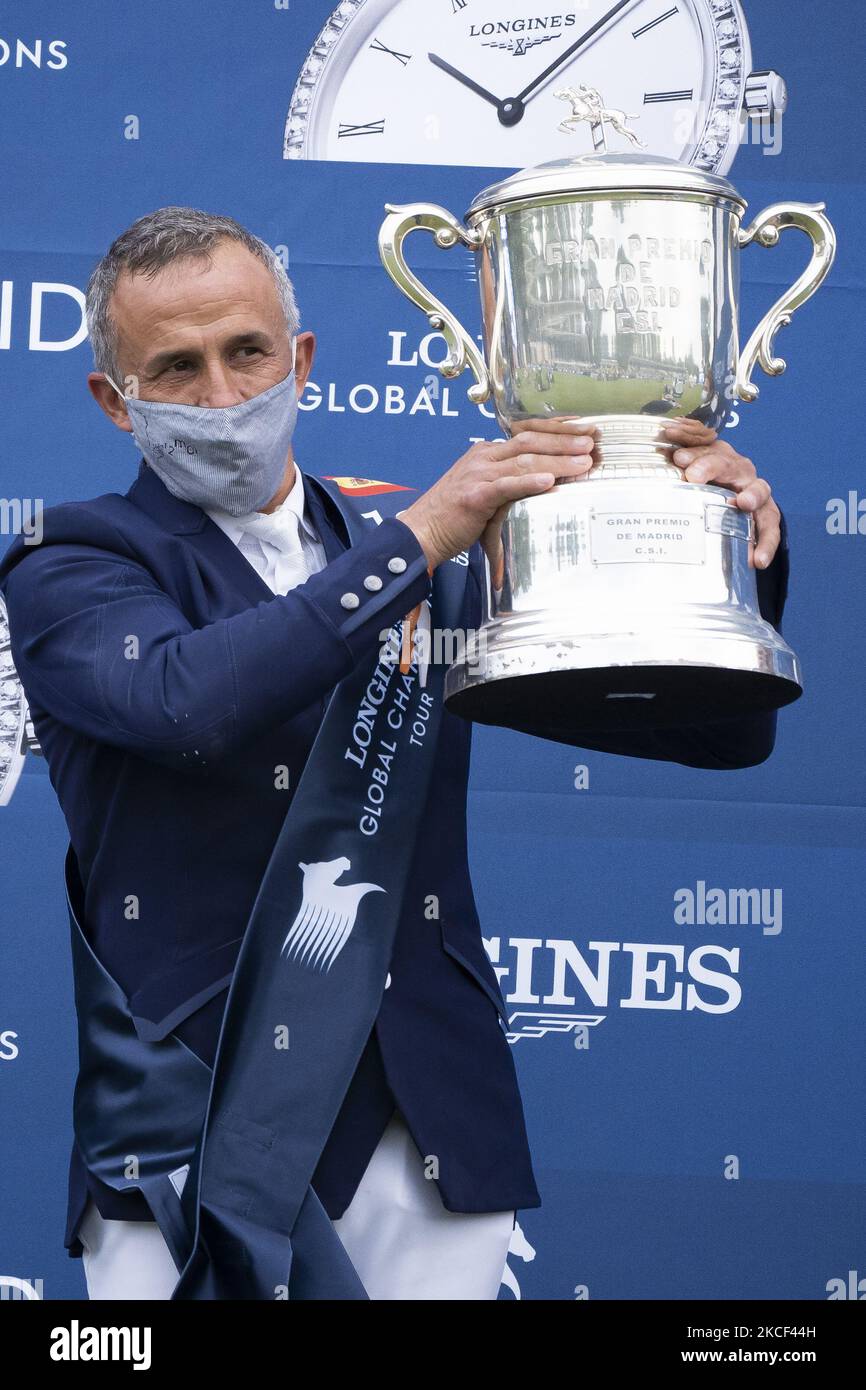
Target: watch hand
(461, 77)
(516, 103)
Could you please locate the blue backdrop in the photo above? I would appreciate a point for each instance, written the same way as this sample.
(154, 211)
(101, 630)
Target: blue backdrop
(709, 1141)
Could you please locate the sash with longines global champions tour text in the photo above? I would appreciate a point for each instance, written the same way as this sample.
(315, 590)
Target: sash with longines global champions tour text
(225, 1157)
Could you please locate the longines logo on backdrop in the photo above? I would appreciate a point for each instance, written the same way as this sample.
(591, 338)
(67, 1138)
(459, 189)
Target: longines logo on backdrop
(555, 975)
(547, 983)
(36, 53)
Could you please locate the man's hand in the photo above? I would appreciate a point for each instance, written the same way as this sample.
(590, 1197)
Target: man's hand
(705, 459)
(469, 502)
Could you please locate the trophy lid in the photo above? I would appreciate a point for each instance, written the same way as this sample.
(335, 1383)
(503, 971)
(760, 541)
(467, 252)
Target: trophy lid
(604, 173)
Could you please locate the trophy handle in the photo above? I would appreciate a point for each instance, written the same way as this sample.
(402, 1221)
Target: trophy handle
(766, 230)
(409, 217)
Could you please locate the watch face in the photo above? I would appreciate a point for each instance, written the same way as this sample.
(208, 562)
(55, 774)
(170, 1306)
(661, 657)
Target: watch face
(483, 83)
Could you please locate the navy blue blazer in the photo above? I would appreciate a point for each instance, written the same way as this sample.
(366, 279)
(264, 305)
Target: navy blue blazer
(165, 769)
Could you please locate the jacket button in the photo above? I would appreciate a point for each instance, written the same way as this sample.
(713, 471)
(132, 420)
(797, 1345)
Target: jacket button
(373, 582)
(397, 564)
(350, 601)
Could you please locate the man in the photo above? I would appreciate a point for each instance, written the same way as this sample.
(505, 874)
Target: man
(179, 645)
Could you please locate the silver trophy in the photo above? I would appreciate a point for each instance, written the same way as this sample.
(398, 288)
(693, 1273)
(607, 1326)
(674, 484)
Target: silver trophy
(610, 291)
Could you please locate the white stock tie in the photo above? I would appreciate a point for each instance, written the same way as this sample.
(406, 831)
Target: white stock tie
(287, 565)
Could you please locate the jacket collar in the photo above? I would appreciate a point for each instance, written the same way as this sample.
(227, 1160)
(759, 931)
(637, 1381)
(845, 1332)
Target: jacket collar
(150, 494)
(295, 502)
(186, 519)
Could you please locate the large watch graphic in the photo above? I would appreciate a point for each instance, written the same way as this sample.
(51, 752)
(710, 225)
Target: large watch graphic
(483, 83)
(17, 735)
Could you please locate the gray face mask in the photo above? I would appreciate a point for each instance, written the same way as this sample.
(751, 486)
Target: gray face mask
(232, 457)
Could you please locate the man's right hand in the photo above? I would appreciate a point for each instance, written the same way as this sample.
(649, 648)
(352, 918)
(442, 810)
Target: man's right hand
(471, 499)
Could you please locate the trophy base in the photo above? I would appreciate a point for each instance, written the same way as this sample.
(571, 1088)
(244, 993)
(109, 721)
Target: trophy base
(560, 690)
(628, 602)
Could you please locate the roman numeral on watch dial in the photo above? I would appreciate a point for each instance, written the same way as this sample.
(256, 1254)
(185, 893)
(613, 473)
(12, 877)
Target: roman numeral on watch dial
(367, 128)
(383, 48)
(650, 97)
(668, 14)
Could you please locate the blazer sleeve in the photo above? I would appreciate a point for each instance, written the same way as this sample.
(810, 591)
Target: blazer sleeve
(104, 650)
(722, 744)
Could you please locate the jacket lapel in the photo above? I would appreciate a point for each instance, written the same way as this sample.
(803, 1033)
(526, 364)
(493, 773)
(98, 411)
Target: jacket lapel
(326, 518)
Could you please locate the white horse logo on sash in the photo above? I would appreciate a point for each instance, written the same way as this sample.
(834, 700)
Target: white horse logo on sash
(327, 914)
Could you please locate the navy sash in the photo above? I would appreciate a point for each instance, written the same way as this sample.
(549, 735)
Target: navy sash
(225, 1157)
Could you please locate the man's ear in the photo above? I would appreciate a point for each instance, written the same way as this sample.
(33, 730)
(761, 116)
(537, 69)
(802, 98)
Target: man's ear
(107, 398)
(304, 352)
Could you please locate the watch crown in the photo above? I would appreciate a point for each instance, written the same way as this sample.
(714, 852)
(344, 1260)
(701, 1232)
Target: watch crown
(766, 94)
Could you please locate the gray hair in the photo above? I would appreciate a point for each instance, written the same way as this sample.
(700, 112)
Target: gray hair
(154, 241)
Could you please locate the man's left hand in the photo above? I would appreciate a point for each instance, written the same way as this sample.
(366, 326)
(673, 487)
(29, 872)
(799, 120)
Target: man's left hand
(706, 459)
